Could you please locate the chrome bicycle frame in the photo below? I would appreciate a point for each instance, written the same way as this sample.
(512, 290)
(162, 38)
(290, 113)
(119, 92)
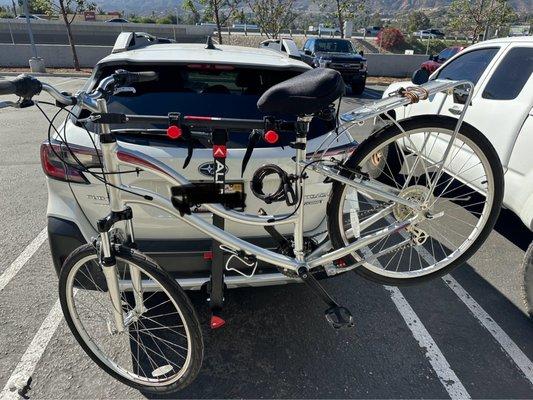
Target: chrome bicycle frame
(113, 155)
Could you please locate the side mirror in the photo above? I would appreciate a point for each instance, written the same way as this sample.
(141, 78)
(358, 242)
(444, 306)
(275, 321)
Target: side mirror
(308, 52)
(460, 94)
(362, 53)
(431, 57)
(420, 76)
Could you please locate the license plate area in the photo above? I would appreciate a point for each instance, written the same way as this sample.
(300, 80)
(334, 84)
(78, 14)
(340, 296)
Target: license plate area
(230, 187)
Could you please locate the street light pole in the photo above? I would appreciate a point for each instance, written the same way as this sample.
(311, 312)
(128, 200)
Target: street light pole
(30, 32)
(36, 63)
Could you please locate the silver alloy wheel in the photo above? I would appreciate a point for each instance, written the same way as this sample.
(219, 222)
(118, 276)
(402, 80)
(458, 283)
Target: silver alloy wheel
(73, 292)
(407, 142)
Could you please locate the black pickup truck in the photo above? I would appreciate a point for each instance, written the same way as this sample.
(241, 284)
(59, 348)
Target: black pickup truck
(338, 54)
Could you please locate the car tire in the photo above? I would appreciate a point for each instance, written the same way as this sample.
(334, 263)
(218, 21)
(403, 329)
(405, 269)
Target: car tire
(358, 87)
(527, 280)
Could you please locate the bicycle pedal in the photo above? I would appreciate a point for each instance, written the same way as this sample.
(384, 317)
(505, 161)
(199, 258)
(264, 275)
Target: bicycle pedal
(339, 317)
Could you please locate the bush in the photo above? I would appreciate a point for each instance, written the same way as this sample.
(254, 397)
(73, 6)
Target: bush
(435, 45)
(391, 39)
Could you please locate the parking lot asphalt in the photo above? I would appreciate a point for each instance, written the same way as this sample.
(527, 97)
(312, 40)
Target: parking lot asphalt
(465, 335)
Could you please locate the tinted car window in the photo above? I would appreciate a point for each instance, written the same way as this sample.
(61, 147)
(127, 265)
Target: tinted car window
(204, 90)
(444, 54)
(336, 46)
(468, 66)
(511, 75)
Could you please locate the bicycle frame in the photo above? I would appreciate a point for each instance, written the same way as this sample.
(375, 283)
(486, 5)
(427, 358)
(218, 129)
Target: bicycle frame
(113, 155)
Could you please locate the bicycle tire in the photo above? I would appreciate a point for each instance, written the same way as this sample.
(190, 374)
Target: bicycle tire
(188, 315)
(386, 134)
(527, 280)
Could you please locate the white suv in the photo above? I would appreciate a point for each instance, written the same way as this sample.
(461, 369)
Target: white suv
(501, 108)
(194, 79)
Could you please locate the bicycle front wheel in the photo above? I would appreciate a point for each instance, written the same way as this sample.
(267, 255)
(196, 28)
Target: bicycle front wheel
(161, 347)
(462, 199)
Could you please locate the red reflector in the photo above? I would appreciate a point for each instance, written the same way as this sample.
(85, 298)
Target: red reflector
(217, 322)
(271, 137)
(208, 255)
(174, 132)
(220, 151)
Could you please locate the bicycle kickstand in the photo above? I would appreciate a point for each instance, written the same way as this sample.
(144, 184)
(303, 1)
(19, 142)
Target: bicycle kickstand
(337, 316)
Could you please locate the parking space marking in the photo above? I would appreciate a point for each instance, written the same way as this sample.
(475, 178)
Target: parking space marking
(22, 259)
(507, 344)
(510, 347)
(25, 368)
(438, 362)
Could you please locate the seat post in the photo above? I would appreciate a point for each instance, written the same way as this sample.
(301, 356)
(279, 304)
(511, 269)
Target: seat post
(302, 129)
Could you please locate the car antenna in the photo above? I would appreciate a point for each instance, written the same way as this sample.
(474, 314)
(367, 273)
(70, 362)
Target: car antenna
(209, 45)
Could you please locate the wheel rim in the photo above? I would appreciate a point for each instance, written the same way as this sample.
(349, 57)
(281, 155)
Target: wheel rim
(147, 353)
(439, 249)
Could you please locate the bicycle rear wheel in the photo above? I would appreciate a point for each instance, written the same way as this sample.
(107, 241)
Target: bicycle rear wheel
(464, 201)
(161, 349)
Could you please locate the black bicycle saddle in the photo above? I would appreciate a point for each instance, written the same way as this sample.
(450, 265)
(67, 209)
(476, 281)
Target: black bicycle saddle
(307, 93)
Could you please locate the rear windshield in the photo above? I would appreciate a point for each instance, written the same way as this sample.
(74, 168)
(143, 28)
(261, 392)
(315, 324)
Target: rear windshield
(201, 90)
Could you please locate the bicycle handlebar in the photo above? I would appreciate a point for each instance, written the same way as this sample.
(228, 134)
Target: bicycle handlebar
(24, 86)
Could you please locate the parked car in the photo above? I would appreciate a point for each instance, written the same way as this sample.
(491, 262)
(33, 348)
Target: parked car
(373, 30)
(338, 54)
(429, 34)
(321, 29)
(118, 20)
(435, 61)
(245, 26)
(194, 79)
(502, 108)
(30, 16)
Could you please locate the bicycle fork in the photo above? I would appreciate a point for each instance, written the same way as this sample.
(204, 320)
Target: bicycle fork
(118, 213)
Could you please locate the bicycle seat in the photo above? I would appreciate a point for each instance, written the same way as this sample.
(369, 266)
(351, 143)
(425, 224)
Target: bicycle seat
(307, 93)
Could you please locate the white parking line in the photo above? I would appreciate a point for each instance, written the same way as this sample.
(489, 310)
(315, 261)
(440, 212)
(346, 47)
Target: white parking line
(524, 364)
(23, 371)
(508, 345)
(22, 259)
(438, 362)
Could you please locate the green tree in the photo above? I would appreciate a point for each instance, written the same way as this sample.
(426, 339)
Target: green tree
(417, 20)
(475, 17)
(5, 13)
(218, 11)
(189, 7)
(272, 15)
(34, 6)
(342, 10)
(68, 9)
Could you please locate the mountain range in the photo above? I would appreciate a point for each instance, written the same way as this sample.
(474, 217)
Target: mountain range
(143, 7)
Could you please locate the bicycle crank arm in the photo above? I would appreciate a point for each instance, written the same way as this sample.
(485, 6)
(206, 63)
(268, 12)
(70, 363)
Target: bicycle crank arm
(337, 316)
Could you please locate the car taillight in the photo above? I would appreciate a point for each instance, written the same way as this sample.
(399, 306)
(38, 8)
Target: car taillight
(55, 168)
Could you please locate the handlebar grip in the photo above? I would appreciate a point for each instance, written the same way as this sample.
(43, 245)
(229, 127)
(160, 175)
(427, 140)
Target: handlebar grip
(145, 76)
(7, 87)
(24, 86)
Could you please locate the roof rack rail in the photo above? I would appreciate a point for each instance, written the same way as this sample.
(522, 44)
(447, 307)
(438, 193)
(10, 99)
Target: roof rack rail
(134, 40)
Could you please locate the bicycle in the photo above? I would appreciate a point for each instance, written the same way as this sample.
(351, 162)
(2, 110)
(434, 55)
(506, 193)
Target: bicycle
(392, 199)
